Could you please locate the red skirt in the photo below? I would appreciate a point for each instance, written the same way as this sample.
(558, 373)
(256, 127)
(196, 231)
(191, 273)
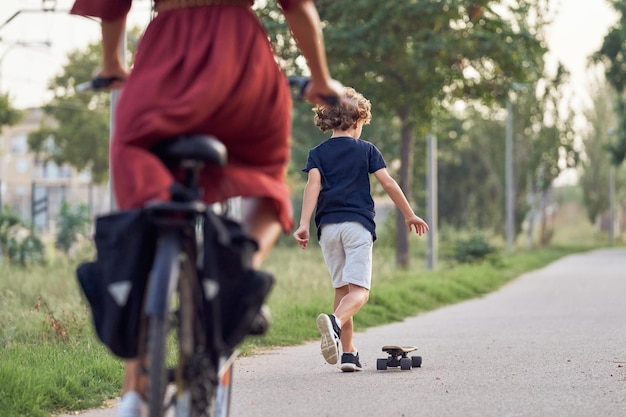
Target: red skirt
(207, 70)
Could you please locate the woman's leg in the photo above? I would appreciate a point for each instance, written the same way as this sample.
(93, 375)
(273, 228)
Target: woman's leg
(132, 403)
(132, 379)
(260, 220)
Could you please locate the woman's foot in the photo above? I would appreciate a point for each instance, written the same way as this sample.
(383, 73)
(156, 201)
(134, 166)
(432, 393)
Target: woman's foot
(132, 405)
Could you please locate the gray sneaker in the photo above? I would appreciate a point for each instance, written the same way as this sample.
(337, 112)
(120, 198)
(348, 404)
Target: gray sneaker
(350, 362)
(330, 332)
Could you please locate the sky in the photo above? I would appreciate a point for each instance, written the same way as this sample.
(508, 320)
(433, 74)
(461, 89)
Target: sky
(34, 45)
(578, 31)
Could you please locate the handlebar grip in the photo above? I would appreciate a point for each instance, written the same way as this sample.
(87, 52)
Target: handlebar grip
(301, 83)
(97, 83)
(331, 100)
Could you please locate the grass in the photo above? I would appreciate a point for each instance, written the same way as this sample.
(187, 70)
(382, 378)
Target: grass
(51, 362)
(53, 376)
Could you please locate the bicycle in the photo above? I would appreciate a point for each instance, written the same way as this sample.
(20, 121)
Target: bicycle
(182, 342)
(184, 294)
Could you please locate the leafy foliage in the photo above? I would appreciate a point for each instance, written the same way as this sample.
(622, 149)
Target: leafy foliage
(18, 244)
(79, 134)
(77, 129)
(8, 115)
(612, 54)
(597, 163)
(72, 221)
(409, 56)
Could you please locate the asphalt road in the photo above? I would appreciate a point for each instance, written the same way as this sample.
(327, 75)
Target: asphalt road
(550, 343)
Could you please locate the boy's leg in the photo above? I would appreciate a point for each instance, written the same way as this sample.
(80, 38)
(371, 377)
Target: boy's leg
(348, 300)
(347, 249)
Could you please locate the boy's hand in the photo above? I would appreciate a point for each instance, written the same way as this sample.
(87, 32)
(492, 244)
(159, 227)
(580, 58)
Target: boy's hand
(416, 222)
(302, 236)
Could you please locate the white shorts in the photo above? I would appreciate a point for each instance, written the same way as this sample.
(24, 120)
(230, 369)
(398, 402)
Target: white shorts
(347, 249)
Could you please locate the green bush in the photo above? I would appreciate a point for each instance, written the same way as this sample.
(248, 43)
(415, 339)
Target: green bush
(475, 248)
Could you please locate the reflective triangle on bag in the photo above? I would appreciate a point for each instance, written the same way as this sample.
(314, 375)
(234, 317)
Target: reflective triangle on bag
(120, 291)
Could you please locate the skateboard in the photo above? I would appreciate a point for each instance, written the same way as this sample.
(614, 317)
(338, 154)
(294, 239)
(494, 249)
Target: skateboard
(398, 357)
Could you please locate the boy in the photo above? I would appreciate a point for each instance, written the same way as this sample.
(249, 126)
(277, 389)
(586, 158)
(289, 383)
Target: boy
(338, 183)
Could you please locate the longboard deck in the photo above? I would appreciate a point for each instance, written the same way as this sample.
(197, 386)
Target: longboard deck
(396, 348)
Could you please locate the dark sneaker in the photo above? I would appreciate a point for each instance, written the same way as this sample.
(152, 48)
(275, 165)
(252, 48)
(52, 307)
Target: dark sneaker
(331, 333)
(350, 362)
(241, 305)
(261, 323)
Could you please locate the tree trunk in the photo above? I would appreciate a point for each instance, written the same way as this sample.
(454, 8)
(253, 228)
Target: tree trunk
(406, 168)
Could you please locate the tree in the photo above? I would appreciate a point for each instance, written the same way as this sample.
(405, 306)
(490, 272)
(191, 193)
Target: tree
(602, 118)
(77, 129)
(612, 54)
(412, 57)
(8, 114)
(79, 132)
(472, 169)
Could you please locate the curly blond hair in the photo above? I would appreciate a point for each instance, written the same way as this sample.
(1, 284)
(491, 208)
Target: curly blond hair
(343, 116)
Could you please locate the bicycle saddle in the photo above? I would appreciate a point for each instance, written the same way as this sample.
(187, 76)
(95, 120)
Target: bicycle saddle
(197, 148)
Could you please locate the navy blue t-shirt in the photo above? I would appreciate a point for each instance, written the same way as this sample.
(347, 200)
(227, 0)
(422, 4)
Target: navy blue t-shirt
(345, 164)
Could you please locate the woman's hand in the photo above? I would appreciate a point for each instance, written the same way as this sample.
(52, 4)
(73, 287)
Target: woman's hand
(320, 92)
(117, 74)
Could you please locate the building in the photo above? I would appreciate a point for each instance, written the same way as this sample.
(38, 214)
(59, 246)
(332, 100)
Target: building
(35, 188)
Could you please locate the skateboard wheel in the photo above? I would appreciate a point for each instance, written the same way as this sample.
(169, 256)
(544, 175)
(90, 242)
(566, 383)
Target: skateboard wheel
(405, 364)
(416, 361)
(381, 364)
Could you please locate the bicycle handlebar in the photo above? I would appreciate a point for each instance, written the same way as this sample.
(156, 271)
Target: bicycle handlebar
(97, 83)
(299, 83)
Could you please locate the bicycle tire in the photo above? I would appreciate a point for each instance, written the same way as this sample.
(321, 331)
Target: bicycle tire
(197, 378)
(157, 371)
(164, 274)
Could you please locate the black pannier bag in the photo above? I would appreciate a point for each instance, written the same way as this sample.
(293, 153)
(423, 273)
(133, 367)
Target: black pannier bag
(115, 283)
(228, 272)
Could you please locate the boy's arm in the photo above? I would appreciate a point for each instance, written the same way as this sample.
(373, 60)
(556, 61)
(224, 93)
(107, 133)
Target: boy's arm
(397, 196)
(309, 200)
